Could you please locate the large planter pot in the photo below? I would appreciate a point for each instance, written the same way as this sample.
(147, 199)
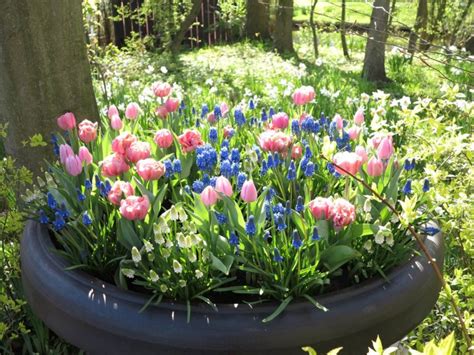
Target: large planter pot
(103, 319)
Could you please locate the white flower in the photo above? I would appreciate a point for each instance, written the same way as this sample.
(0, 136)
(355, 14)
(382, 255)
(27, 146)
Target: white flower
(199, 274)
(163, 288)
(368, 245)
(379, 238)
(177, 267)
(182, 283)
(149, 70)
(164, 70)
(136, 256)
(318, 62)
(389, 240)
(364, 98)
(148, 246)
(154, 276)
(128, 273)
(166, 253)
(192, 257)
(404, 102)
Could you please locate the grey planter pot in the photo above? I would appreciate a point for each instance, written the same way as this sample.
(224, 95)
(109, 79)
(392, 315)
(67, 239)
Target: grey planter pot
(102, 319)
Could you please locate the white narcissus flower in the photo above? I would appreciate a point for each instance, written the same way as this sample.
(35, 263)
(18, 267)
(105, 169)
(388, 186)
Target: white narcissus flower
(177, 267)
(136, 256)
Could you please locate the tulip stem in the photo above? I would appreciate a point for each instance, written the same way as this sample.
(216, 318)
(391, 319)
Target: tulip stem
(422, 247)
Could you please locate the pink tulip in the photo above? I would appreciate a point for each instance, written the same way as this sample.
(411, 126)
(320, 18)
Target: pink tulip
(296, 152)
(339, 121)
(87, 131)
(138, 151)
(150, 169)
(73, 165)
(190, 140)
(351, 162)
(274, 141)
(67, 121)
(121, 143)
(354, 132)
(385, 148)
(118, 191)
(132, 111)
(224, 186)
(321, 208)
(343, 213)
(163, 138)
(209, 196)
(112, 111)
(361, 152)
(161, 89)
(228, 132)
(249, 192)
(161, 112)
(303, 95)
(359, 117)
(172, 104)
(375, 167)
(376, 139)
(134, 207)
(224, 109)
(211, 118)
(85, 155)
(116, 123)
(279, 121)
(114, 165)
(65, 151)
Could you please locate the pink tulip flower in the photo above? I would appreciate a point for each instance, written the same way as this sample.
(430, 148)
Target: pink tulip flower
(134, 207)
(248, 192)
(65, 151)
(354, 133)
(279, 121)
(112, 111)
(132, 111)
(161, 112)
(224, 186)
(118, 191)
(150, 169)
(163, 138)
(73, 165)
(161, 89)
(67, 121)
(375, 167)
(121, 143)
(321, 208)
(385, 148)
(116, 123)
(359, 117)
(138, 151)
(87, 131)
(85, 155)
(351, 162)
(209, 196)
(190, 140)
(343, 213)
(114, 165)
(274, 141)
(303, 95)
(362, 153)
(172, 104)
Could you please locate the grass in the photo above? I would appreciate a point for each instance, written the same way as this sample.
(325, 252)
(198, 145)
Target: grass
(356, 12)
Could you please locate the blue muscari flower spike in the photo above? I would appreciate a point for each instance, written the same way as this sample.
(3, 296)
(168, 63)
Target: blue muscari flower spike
(51, 201)
(213, 181)
(187, 189)
(278, 209)
(270, 163)
(323, 121)
(86, 219)
(308, 124)
(407, 187)
(299, 204)
(204, 110)
(43, 219)
(309, 170)
(276, 160)
(198, 123)
(221, 218)
(198, 186)
(304, 163)
(431, 230)
(108, 186)
(257, 150)
(251, 104)
(270, 194)
(226, 168)
(281, 225)
(168, 167)
(97, 181)
(88, 184)
(80, 196)
(264, 169)
(213, 135)
(307, 152)
(193, 111)
(182, 105)
(241, 178)
(250, 228)
(276, 256)
(271, 112)
(217, 111)
(332, 170)
(264, 115)
(315, 235)
(291, 171)
(224, 153)
(206, 180)
(297, 242)
(59, 222)
(288, 207)
(233, 239)
(235, 169)
(407, 165)
(426, 185)
(177, 166)
(295, 127)
(235, 155)
(225, 143)
(239, 117)
(267, 237)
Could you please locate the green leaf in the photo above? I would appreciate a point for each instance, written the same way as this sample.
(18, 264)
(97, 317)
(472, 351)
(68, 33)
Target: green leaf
(223, 265)
(334, 351)
(323, 229)
(126, 234)
(315, 303)
(337, 255)
(279, 310)
(309, 350)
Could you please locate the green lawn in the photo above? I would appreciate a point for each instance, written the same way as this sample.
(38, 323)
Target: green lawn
(357, 11)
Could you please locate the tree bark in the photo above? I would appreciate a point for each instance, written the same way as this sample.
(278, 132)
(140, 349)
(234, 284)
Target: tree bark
(44, 72)
(313, 28)
(374, 60)
(257, 19)
(175, 43)
(283, 35)
(420, 24)
(392, 13)
(345, 50)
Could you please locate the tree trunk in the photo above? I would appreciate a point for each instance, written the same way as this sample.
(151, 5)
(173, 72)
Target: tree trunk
(283, 35)
(374, 61)
(392, 13)
(257, 19)
(175, 43)
(44, 72)
(345, 50)
(313, 28)
(420, 24)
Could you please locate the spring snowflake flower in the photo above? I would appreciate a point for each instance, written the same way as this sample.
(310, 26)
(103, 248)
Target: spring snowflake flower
(154, 276)
(128, 273)
(177, 267)
(136, 256)
(198, 274)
